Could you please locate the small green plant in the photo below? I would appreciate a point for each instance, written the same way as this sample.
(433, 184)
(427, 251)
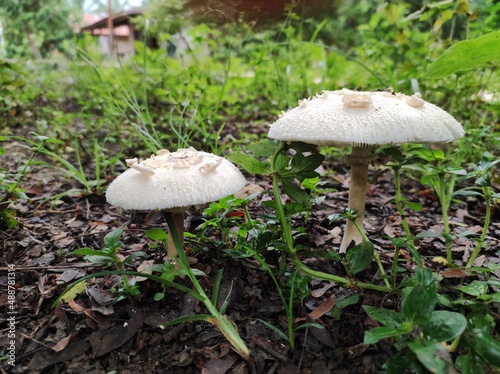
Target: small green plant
(108, 256)
(483, 174)
(272, 159)
(426, 333)
(10, 183)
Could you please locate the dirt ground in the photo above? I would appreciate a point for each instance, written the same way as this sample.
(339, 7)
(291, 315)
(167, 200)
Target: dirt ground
(94, 335)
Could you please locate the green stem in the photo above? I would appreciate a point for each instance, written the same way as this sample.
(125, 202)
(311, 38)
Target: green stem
(404, 222)
(280, 209)
(445, 199)
(289, 313)
(395, 266)
(120, 267)
(487, 218)
(287, 233)
(334, 278)
(223, 323)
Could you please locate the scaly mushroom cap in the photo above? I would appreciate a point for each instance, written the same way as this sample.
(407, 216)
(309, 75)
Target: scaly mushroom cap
(173, 180)
(346, 117)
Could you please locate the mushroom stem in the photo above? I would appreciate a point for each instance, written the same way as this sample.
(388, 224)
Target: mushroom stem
(359, 159)
(178, 219)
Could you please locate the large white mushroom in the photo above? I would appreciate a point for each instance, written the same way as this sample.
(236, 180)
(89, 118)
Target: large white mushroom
(364, 120)
(173, 181)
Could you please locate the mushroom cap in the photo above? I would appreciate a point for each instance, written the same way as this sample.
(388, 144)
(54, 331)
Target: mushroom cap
(365, 119)
(174, 180)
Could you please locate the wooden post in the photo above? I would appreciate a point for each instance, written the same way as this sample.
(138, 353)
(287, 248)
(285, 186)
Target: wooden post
(111, 30)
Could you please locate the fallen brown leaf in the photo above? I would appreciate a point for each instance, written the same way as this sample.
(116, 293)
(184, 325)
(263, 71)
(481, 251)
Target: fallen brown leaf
(61, 344)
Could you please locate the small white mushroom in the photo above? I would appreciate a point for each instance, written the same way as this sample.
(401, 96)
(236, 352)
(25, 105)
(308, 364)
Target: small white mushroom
(364, 120)
(178, 180)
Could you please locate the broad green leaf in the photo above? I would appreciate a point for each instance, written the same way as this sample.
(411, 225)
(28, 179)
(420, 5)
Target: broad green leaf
(156, 234)
(349, 300)
(159, 296)
(395, 153)
(297, 161)
(476, 288)
(424, 276)
(303, 147)
(444, 325)
(481, 321)
(378, 333)
(360, 257)
(427, 178)
(112, 238)
(312, 162)
(467, 192)
(249, 163)
(281, 161)
(422, 299)
(487, 347)
(265, 148)
(294, 192)
(469, 364)
(403, 362)
(456, 170)
(385, 317)
(433, 355)
(466, 55)
(495, 298)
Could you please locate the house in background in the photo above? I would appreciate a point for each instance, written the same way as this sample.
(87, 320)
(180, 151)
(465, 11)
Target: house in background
(123, 36)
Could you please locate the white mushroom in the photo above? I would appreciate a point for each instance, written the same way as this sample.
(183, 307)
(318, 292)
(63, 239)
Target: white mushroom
(172, 182)
(364, 120)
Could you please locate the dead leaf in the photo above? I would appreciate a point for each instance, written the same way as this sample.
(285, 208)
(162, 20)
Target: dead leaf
(69, 275)
(248, 190)
(320, 310)
(144, 267)
(106, 340)
(219, 365)
(47, 357)
(75, 307)
(61, 344)
(440, 260)
(102, 301)
(96, 227)
(321, 291)
(454, 273)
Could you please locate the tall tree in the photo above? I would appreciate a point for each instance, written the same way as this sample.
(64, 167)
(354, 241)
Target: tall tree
(35, 28)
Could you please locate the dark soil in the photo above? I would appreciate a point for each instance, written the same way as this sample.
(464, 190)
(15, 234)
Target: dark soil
(91, 334)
